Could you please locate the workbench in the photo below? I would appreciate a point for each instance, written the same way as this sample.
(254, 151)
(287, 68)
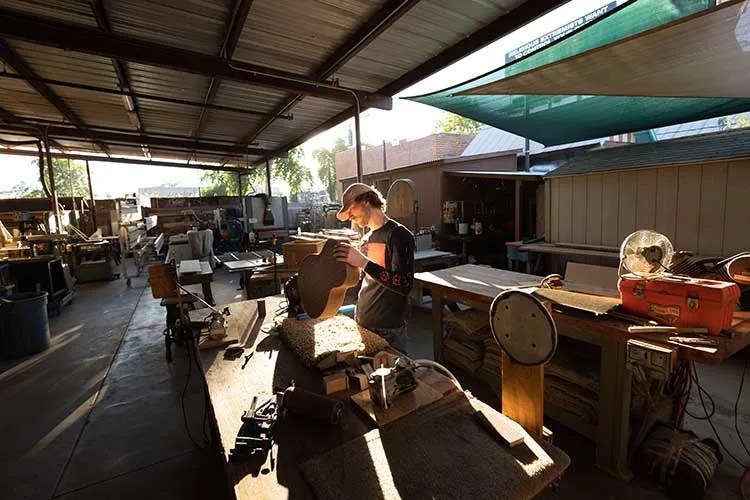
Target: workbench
(477, 286)
(204, 277)
(272, 368)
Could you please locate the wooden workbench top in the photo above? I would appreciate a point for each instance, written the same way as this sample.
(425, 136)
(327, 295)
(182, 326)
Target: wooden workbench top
(272, 368)
(480, 285)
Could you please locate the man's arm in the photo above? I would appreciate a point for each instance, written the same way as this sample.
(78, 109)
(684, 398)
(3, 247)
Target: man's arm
(401, 273)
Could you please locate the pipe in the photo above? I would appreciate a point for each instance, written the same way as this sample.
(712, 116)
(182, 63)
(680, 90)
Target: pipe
(92, 210)
(357, 140)
(53, 190)
(42, 179)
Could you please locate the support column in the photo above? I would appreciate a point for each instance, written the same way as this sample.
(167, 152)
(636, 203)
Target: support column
(268, 177)
(92, 208)
(517, 228)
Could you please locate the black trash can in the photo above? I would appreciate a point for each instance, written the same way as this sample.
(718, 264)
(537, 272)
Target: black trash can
(24, 327)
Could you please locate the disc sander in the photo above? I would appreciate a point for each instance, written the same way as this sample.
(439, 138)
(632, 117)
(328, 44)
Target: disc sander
(523, 327)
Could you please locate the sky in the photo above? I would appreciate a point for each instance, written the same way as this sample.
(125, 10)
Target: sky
(407, 120)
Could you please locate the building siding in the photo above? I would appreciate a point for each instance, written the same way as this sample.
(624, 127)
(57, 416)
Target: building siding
(699, 207)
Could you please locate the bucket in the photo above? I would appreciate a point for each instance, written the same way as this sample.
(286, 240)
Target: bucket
(24, 327)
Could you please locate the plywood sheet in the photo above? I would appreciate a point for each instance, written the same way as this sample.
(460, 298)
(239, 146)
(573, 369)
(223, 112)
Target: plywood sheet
(583, 302)
(736, 237)
(712, 207)
(565, 209)
(688, 208)
(610, 209)
(578, 223)
(627, 204)
(666, 201)
(189, 266)
(645, 209)
(594, 210)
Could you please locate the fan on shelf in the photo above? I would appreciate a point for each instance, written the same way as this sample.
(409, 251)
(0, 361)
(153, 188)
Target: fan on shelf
(646, 254)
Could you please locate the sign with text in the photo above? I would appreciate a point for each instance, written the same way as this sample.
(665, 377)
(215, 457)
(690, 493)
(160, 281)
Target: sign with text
(556, 34)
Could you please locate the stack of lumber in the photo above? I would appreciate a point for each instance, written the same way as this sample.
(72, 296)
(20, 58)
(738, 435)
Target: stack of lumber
(465, 333)
(571, 386)
(491, 368)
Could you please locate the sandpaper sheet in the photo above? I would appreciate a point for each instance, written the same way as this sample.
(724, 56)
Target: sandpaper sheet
(594, 304)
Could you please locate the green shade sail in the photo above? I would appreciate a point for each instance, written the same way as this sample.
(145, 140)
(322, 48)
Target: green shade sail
(560, 119)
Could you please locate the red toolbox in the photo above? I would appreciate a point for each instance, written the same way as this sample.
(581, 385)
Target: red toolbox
(682, 302)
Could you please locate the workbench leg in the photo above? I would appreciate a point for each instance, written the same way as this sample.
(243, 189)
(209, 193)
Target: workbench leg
(246, 281)
(437, 322)
(207, 293)
(614, 410)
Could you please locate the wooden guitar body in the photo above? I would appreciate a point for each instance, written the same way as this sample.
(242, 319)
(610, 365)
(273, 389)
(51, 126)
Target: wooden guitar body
(323, 282)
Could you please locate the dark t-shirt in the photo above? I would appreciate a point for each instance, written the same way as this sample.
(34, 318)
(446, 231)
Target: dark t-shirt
(384, 295)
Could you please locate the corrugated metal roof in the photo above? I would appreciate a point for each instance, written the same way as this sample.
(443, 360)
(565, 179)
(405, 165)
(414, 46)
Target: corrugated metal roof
(727, 145)
(289, 35)
(493, 140)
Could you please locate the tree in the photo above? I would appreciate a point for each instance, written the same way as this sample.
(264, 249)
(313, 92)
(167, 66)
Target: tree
(326, 159)
(224, 183)
(452, 123)
(290, 169)
(70, 179)
(293, 172)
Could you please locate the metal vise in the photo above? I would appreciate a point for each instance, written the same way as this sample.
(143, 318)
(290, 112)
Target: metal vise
(385, 384)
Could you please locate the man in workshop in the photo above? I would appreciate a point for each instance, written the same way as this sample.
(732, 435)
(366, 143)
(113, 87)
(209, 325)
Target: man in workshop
(387, 259)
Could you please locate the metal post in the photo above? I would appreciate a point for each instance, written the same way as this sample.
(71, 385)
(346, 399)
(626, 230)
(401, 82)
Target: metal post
(92, 209)
(358, 142)
(384, 159)
(517, 228)
(526, 156)
(268, 177)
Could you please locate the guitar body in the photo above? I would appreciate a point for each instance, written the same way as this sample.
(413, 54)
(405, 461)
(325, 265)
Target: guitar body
(323, 281)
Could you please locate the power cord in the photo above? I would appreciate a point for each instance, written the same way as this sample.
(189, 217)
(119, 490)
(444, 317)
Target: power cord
(193, 359)
(701, 391)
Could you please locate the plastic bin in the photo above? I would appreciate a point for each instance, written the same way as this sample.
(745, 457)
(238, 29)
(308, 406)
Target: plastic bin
(24, 327)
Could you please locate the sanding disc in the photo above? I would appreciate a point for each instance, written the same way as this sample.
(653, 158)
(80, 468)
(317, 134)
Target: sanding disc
(523, 328)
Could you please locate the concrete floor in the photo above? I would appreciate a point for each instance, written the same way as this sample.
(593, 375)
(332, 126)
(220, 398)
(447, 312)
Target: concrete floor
(98, 415)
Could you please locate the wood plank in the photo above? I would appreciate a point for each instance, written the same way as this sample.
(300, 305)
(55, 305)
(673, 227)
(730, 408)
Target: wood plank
(736, 237)
(523, 395)
(645, 207)
(666, 201)
(554, 210)
(578, 209)
(594, 210)
(422, 395)
(627, 204)
(598, 276)
(688, 207)
(712, 209)
(565, 209)
(610, 209)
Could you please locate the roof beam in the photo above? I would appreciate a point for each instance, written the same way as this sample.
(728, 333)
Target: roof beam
(130, 104)
(371, 29)
(139, 95)
(129, 161)
(70, 133)
(234, 30)
(503, 25)
(81, 38)
(15, 60)
(10, 117)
